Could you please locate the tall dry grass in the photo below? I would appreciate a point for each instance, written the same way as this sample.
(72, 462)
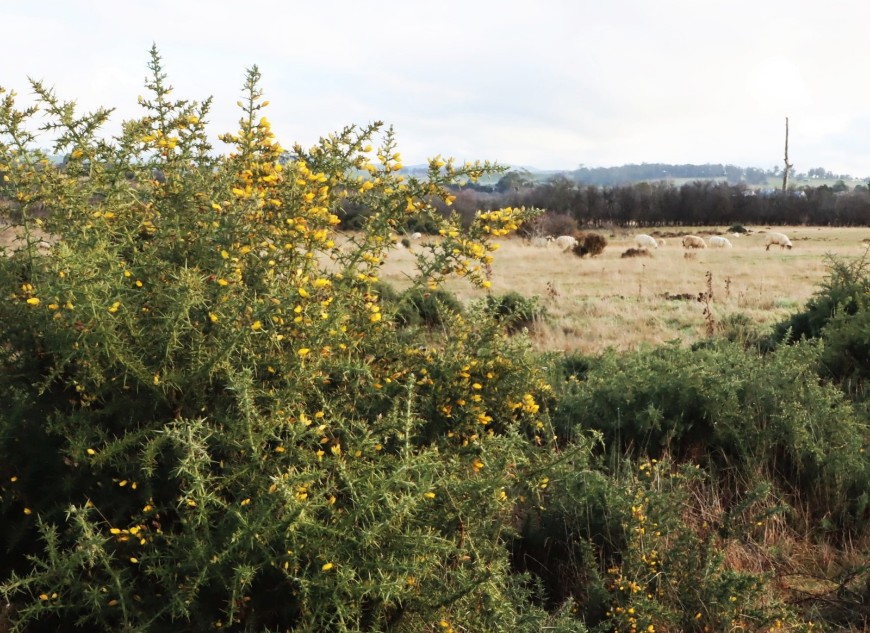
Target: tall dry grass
(609, 301)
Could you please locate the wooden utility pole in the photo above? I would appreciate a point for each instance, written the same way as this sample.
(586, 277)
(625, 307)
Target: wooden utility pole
(788, 165)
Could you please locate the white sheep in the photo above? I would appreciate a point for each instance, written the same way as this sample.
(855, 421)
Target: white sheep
(777, 238)
(645, 241)
(566, 242)
(693, 241)
(717, 241)
(541, 242)
(416, 236)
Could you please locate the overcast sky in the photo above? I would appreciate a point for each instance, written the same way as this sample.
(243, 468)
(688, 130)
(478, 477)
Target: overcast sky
(551, 84)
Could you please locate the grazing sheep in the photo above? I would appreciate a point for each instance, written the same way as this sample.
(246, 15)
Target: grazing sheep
(541, 242)
(416, 236)
(693, 241)
(717, 241)
(777, 238)
(645, 241)
(566, 242)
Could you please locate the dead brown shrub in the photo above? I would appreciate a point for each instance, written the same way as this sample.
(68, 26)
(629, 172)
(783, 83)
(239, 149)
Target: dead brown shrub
(636, 252)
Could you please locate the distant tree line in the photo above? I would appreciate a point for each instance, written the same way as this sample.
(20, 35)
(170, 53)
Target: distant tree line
(648, 204)
(651, 172)
(663, 204)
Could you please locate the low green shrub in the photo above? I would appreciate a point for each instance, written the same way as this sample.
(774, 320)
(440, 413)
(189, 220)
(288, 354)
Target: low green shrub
(429, 308)
(427, 225)
(644, 547)
(740, 328)
(839, 315)
(844, 290)
(514, 310)
(729, 407)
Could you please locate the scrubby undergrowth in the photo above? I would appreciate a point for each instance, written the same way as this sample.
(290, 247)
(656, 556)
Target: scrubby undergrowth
(215, 418)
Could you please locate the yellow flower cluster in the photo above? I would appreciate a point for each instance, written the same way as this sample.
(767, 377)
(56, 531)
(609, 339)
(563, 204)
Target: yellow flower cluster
(163, 142)
(501, 221)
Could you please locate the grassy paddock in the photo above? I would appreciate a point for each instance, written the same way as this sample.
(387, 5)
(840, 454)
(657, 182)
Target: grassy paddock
(608, 301)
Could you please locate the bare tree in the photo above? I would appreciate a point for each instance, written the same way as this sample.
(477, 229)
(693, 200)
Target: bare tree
(788, 165)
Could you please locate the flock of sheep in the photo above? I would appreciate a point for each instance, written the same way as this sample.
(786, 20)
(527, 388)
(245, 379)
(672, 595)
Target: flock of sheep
(717, 241)
(690, 242)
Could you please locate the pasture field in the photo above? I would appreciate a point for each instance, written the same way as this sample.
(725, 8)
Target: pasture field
(628, 303)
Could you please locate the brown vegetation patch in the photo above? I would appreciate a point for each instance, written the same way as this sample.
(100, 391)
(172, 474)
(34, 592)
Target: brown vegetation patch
(591, 244)
(700, 297)
(636, 252)
(667, 234)
(682, 296)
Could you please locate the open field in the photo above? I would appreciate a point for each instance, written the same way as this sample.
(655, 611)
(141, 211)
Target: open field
(608, 301)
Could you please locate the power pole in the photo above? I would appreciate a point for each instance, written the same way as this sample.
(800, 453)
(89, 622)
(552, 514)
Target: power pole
(788, 165)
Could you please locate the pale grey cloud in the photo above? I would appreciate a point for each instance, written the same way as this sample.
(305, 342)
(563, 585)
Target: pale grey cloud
(552, 84)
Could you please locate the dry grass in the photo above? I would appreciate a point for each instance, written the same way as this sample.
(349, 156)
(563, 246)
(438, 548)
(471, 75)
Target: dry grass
(11, 239)
(628, 303)
(609, 301)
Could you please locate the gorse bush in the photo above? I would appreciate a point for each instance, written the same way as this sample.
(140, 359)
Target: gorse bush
(642, 548)
(514, 310)
(209, 422)
(839, 314)
(732, 409)
(422, 306)
(672, 571)
(843, 290)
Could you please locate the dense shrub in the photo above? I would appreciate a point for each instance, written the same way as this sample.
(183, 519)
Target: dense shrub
(732, 409)
(839, 314)
(422, 224)
(419, 306)
(643, 547)
(514, 310)
(208, 421)
(740, 328)
(841, 291)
